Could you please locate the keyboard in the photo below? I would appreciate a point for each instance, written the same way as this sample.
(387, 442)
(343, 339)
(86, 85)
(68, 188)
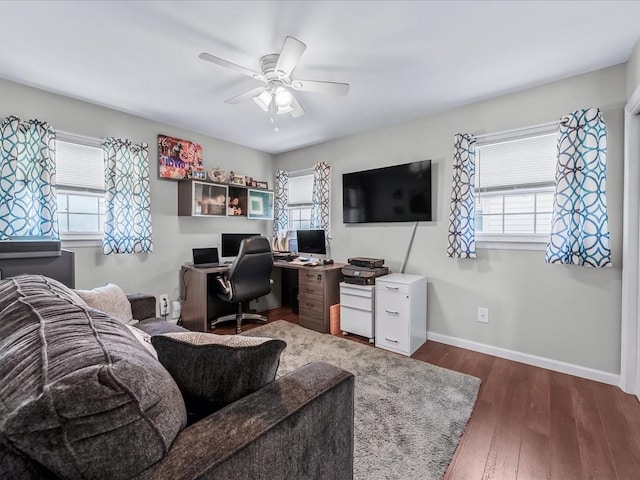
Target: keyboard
(206, 265)
(286, 257)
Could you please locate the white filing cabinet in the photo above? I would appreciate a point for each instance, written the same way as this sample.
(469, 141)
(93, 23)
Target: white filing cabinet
(357, 309)
(401, 312)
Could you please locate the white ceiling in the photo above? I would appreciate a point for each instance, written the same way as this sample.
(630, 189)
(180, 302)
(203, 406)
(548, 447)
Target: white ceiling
(403, 59)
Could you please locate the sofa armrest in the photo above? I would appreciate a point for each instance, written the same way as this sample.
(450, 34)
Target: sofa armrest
(297, 427)
(143, 305)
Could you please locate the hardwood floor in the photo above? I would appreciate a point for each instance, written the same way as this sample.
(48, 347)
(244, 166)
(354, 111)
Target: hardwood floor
(530, 423)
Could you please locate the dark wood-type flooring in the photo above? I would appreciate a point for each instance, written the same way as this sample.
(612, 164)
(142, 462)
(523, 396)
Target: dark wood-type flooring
(531, 423)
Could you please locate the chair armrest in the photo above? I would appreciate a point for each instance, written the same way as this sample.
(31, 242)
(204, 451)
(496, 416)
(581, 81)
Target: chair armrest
(299, 426)
(143, 305)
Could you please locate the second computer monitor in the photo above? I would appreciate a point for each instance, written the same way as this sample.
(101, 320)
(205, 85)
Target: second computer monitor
(230, 242)
(311, 242)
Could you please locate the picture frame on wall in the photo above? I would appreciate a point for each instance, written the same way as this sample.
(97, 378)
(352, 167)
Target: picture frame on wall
(260, 205)
(178, 158)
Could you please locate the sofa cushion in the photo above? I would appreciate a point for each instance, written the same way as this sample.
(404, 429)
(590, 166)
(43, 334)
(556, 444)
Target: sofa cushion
(215, 370)
(157, 326)
(109, 299)
(79, 394)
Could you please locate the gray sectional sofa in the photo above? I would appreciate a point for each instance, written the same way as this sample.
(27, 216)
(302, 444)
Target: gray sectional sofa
(80, 397)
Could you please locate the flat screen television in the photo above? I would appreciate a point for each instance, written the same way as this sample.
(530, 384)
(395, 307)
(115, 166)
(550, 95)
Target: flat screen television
(400, 193)
(311, 242)
(230, 242)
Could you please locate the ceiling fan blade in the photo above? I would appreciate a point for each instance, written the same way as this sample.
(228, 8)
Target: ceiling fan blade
(223, 63)
(291, 52)
(245, 96)
(332, 88)
(297, 111)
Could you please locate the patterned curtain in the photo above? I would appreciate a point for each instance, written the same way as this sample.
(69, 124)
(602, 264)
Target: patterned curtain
(462, 237)
(321, 200)
(128, 220)
(281, 212)
(579, 225)
(28, 203)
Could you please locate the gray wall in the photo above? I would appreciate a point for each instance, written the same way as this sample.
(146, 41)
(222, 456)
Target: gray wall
(564, 313)
(173, 236)
(633, 70)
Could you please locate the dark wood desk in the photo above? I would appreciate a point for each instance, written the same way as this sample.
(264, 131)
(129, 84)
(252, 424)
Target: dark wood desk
(318, 289)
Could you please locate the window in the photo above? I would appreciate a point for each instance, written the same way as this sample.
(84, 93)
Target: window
(515, 179)
(81, 191)
(300, 199)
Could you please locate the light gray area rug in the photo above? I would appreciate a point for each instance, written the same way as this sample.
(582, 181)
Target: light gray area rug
(409, 415)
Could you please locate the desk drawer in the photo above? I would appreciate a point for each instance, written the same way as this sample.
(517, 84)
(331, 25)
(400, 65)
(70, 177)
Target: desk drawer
(312, 322)
(356, 301)
(392, 335)
(385, 286)
(308, 291)
(310, 279)
(311, 305)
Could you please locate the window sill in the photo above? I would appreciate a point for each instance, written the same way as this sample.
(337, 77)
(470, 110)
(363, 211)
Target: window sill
(512, 242)
(81, 242)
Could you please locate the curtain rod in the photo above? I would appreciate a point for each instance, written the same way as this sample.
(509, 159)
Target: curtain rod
(522, 129)
(297, 172)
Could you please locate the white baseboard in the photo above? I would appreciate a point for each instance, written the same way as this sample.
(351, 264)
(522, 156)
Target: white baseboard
(556, 366)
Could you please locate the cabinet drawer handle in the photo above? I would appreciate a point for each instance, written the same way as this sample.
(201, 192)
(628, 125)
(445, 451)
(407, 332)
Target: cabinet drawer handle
(390, 340)
(310, 305)
(390, 287)
(308, 290)
(392, 312)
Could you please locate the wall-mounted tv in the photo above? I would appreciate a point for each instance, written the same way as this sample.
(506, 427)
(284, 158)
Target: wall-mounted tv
(400, 193)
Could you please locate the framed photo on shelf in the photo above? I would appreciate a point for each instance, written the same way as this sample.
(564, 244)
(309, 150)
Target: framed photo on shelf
(260, 205)
(261, 185)
(237, 180)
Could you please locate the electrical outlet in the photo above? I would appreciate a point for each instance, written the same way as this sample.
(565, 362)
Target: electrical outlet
(483, 315)
(163, 301)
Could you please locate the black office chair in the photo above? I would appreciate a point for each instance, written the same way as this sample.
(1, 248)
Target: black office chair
(249, 277)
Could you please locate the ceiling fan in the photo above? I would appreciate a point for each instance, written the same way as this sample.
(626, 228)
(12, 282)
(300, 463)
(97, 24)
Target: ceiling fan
(275, 95)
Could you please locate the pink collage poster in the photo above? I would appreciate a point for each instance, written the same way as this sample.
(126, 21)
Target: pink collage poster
(179, 158)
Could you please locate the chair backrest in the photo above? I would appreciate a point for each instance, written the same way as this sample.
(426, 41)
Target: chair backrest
(250, 272)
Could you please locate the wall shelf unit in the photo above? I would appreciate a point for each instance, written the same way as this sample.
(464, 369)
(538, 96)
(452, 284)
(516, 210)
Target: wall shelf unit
(203, 198)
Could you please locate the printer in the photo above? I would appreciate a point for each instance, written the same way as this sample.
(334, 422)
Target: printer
(364, 270)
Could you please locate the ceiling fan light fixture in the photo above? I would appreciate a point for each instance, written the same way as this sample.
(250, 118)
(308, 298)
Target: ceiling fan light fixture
(283, 98)
(263, 100)
(282, 110)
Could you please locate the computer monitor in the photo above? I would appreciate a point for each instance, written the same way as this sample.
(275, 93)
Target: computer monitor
(311, 243)
(230, 242)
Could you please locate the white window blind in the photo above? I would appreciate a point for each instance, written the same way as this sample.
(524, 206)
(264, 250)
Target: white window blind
(81, 188)
(300, 189)
(79, 166)
(514, 188)
(300, 200)
(513, 164)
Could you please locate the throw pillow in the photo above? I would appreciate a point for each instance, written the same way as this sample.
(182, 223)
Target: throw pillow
(109, 299)
(215, 370)
(80, 396)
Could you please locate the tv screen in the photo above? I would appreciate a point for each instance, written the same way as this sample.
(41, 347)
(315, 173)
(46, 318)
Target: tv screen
(311, 241)
(231, 243)
(401, 193)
